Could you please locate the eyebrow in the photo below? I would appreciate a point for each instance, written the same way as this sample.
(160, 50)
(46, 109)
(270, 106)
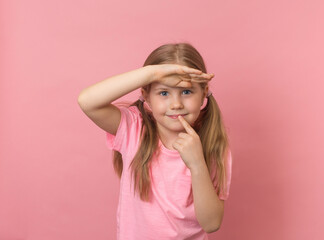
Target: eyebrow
(183, 88)
(159, 89)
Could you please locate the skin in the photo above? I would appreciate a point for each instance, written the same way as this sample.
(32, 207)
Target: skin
(165, 101)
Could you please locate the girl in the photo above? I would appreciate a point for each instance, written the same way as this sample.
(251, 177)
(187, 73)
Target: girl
(172, 155)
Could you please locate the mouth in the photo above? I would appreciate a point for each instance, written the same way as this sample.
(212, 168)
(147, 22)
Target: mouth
(176, 116)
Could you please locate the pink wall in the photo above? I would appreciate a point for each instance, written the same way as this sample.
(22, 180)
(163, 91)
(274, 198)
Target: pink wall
(56, 175)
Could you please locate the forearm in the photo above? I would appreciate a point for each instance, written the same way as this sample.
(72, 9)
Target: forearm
(104, 92)
(209, 208)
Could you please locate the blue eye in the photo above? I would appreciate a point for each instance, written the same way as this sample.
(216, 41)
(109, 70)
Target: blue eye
(187, 92)
(162, 93)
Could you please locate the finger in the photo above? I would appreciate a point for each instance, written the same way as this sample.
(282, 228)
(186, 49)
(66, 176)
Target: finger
(186, 125)
(200, 81)
(195, 78)
(182, 135)
(191, 70)
(202, 76)
(180, 142)
(176, 146)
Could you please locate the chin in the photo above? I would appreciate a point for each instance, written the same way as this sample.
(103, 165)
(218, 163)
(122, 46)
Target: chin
(178, 129)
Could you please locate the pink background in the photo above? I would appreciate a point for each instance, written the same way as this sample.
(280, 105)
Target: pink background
(56, 175)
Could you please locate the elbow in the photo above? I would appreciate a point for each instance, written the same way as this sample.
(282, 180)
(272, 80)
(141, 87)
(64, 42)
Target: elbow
(82, 101)
(212, 228)
(80, 97)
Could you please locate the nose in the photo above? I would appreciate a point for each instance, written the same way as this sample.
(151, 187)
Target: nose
(176, 103)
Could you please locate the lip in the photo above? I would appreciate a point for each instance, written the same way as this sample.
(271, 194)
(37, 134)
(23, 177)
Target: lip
(176, 116)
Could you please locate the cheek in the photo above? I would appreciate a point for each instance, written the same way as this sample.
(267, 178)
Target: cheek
(194, 106)
(159, 106)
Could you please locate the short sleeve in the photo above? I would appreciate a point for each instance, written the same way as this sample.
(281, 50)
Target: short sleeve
(228, 166)
(128, 132)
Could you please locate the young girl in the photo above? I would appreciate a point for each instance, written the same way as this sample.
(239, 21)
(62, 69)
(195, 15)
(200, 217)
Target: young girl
(172, 155)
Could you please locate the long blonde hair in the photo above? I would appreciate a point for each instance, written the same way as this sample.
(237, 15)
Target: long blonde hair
(209, 126)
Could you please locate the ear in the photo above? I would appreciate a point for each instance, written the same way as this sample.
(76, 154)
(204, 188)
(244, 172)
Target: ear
(205, 92)
(145, 96)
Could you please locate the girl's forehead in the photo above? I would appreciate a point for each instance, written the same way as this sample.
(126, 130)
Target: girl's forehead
(155, 86)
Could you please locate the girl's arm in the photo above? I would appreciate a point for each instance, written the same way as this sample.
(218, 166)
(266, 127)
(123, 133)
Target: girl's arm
(209, 209)
(95, 100)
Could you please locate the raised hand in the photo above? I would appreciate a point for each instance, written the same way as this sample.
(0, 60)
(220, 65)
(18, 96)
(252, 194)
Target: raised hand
(175, 75)
(189, 146)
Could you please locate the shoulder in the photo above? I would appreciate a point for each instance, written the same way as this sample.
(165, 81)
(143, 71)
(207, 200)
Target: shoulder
(127, 136)
(130, 112)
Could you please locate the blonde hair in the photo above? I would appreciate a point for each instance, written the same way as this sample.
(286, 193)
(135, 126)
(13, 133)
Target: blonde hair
(209, 126)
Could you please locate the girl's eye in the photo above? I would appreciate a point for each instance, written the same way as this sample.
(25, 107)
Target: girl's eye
(163, 93)
(186, 92)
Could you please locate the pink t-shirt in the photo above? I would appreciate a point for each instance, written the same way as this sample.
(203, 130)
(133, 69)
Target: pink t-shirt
(168, 216)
